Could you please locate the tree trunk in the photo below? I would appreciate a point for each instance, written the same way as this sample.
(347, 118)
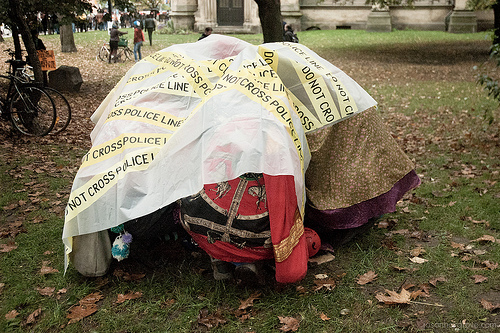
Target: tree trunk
(110, 9)
(67, 38)
(270, 20)
(496, 26)
(17, 42)
(20, 22)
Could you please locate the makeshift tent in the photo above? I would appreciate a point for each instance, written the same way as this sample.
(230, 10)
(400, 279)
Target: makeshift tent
(202, 113)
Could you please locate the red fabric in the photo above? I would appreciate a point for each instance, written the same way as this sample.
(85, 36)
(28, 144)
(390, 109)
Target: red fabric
(282, 205)
(247, 205)
(231, 253)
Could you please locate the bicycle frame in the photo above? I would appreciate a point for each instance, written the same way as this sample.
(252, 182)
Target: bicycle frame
(11, 90)
(104, 51)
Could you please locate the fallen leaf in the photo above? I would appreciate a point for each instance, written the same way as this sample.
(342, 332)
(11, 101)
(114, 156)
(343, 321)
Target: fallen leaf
(289, 324)
(466, 257)
(78, 312)
(490, 306)
(318, 260)
(386, 224)
(367, 278)
(323, 316)
(86, 307)
(418, 260)
(32, 317)
(125, 297)
(168, 303)
(242, 318)
(210, 320)
(490, 265)
(301, 290)
(479, 278)
(440, 194)
(7, 247)
(328, 284)
(416, 293)
(407, 286)
(383, 225)
(48, 270)
(10, 207)
(11, 314)
(36, 220)
(249, 301)
(91, 298)
(394, 297)
(479, 252)
(434, 281)
(459, 246)
(126, 276)
(485, 238)
(419, 234)
(406, 210)
(400, 232)
(345, 312)
(321, 276)
(486, 223)
(47, 291)
(60, 292)
(417, 251)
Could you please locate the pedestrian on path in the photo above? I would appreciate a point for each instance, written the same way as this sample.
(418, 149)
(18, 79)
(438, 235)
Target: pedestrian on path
(150, 26)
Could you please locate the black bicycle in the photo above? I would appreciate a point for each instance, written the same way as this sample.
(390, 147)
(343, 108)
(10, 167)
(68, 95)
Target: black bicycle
(63, 108)
(30, 109)
(123, 49)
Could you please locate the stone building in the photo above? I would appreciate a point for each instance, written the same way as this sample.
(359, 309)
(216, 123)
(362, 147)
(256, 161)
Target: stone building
(241, 16)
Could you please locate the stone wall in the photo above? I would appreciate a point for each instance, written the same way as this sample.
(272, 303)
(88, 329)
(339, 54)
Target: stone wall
(326, 14)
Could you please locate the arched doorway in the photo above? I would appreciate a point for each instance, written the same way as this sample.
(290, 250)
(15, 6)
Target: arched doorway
(230, 12)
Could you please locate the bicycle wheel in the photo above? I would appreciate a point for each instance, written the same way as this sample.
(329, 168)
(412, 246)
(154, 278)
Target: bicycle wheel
(128, 53)
(32, 111)
(63, 110)
(103, 54)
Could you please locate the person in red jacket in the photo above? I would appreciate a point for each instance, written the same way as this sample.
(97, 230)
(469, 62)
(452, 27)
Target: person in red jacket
(138, 40)
(246, 220)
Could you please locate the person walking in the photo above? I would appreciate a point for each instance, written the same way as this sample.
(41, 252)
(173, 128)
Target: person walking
(150, 26)
(138, 39)
(114, 38)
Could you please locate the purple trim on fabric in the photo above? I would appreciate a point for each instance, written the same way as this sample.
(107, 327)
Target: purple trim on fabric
(359, 214)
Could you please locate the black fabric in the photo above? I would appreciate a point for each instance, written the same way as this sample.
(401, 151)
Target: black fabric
(196, 207)
(154, 225)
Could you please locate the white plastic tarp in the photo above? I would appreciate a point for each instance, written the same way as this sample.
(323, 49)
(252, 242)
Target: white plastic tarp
(202, 113)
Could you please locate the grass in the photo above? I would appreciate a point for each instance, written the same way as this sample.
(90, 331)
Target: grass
(425, 85)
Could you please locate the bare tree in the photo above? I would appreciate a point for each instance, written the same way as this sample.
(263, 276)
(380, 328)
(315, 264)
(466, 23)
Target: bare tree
(18, 19)
(152, 3)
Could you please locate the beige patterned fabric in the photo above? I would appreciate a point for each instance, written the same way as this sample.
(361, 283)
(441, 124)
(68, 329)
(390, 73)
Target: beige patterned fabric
(353, 161)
